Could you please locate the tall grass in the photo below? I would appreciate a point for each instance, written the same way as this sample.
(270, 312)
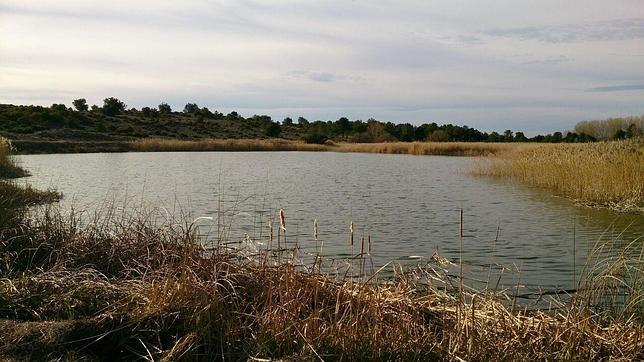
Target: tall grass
(14, 197)
(8, 168)
(431, 148)
(167, 145)
(412, 148)
(145, 287)
(609, 174)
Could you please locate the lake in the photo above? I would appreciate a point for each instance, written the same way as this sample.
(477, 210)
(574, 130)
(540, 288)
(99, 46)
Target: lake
(409, 205)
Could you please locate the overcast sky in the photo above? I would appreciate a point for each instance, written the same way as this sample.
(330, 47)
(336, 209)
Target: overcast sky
(537, 66)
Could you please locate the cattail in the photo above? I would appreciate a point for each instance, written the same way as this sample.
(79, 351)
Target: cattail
(315, 229)
(461, 223)
(270, 231)
(351, 231)
(282, 220)
(369, 243)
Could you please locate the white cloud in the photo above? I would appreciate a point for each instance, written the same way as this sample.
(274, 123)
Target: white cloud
(492, 66)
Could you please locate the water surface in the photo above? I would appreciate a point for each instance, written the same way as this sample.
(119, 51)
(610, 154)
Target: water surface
(409, 205)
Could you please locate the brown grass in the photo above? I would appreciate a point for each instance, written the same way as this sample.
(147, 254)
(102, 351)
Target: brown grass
(431, 148)
(8, 168)
(609, 174)
(412, 148)
(236, 145)
(134, 288)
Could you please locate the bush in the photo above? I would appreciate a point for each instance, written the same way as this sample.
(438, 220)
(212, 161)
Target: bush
(80, 104)
(165, 108)
(273, 130)
(316, 138)
(112, 106)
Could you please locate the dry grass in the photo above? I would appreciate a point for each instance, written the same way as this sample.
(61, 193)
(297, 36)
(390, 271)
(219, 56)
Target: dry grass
(127, 287)
(13, 196)
(169, 145)
(431, 148)
(135, 288)
(412, 148)
(8, 168)
(609, 174)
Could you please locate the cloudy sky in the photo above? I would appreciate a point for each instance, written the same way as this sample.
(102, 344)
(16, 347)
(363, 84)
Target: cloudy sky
(537, 66)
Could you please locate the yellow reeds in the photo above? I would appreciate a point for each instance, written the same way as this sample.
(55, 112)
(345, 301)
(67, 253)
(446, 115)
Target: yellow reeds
(431, 148)
(609, 174)
(173, 145)
(8, 168)
(139, 289)
(411, 148)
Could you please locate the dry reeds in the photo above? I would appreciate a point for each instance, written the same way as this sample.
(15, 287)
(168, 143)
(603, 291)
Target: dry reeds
(609, 174)
(411, 148)
(233, 145)
(8, 168)
(431, 148)
(139, 289)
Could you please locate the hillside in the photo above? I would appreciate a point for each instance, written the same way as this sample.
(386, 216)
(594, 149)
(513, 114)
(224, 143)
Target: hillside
(58, 128)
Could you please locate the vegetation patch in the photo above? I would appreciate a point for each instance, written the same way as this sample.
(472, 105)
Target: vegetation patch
(134, 288)
(607, 174)
(107, 128)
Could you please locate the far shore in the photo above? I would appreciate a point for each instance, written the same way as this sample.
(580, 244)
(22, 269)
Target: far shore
(254, 145)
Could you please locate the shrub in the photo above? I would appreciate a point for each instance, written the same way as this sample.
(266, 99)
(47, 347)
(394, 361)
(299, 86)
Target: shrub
(112, 106)
(316, 138)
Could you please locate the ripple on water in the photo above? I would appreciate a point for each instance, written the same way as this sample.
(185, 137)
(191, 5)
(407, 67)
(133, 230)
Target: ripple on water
(409, 205)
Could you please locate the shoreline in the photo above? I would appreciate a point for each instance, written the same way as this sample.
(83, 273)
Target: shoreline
(470, 149)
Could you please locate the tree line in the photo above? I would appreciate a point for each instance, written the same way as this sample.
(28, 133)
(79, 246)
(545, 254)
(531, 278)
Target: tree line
(318, 131)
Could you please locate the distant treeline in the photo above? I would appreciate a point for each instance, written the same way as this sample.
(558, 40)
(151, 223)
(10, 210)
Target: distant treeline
(115, 119)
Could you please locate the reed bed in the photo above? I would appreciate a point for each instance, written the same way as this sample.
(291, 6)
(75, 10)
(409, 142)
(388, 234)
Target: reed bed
(608, 174)
(236, 145)
(432, 148)
(80, 287)
(8, 168)
(411, 148)
(12, 196)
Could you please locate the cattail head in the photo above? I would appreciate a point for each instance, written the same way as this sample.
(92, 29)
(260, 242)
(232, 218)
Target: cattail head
(282, 220)
(351, 231)
(270, 230)
(369, 243)
(315, 229)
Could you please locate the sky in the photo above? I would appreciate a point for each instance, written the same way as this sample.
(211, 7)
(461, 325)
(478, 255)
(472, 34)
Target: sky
(535, 66)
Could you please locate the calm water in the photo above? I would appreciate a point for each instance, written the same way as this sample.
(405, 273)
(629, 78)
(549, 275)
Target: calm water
(408, 204)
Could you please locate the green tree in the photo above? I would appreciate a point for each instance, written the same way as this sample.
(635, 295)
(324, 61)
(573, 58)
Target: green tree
(520, 137)
(288, 121)
(80, 104)
(273, 130)
(343, 125)
(112, 106)
(620, 135)
(191, 108)
(165, 108)
(302, 122)
(632, 131)
(58, 107)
